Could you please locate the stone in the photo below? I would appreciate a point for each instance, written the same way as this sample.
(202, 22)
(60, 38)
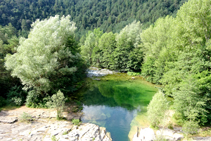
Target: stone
(97, 72)
(170, 135)
(202, 139)
(9, 120)
(146, 134)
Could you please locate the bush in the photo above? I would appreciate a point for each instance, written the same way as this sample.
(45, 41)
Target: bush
(3, 101)
(16, 95)
(57, 101)
(32, 99)
(76, 122)
(134, 73)
(190, 127)
(25, 117)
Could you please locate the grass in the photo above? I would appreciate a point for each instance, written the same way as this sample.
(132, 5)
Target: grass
(204, 132)
(9, 107)
(25, 117)
(53, 138)
(65, 133)
(76, 122)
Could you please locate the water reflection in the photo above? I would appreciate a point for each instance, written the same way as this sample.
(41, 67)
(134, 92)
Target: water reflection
(114, 104)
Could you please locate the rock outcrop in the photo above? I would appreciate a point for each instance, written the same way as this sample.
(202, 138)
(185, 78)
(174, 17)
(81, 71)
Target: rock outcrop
(44, 127)
(148, 134)
(47, 131)
(93, 71)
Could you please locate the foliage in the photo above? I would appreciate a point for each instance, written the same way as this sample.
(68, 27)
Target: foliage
(53, 63)
(35, 100)
(160, 138)
(65, 133)
(16, 95)
(114, 51)
(109, 15)
(157, 108)
(190, 127)
(8, 43)
(76, 122)
(177, 55)
(3, 101)
(25, 117)
(57, 101)
(53, 138)
(133, 73)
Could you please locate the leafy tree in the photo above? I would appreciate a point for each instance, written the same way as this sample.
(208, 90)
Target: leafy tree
(127, 40)
(108, 15)
(157, 108)
(46, 56)
(107, 44)
(91, 45)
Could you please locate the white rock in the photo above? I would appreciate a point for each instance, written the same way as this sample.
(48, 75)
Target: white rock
(170, 135)
(146, 134)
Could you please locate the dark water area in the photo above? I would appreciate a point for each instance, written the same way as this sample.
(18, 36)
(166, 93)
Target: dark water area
(114, 102)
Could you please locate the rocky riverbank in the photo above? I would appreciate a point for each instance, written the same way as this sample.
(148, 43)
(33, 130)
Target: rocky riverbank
(46, 128)
(148, 134)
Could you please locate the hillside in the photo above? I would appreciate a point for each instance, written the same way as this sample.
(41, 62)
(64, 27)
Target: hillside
(109, 15)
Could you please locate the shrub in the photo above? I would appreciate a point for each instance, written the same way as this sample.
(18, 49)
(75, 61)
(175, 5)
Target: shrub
(190, 127)
(16, 95)
(133, 73)
(53, 138)
(57, 101)
(25, 117)
(3, 101)
(76, 122)
(32, 99)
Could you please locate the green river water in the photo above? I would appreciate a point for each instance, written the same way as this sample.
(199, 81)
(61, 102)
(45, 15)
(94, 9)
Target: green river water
(117, 103)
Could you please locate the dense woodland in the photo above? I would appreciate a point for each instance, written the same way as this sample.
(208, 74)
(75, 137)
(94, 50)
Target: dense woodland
(109, 15)
(173, 52)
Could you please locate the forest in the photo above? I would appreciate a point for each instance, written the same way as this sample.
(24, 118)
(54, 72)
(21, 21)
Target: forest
(109, 15)
(153, 39)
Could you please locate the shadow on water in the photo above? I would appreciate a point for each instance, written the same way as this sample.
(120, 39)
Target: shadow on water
(114, 104)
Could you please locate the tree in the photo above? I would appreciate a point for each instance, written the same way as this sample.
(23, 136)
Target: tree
(44, 58)
(126, 41)
(107, 44)
(91, 42)
(156, 110)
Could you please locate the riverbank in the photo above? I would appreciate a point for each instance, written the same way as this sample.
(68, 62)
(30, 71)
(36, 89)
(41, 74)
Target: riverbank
(40, 124)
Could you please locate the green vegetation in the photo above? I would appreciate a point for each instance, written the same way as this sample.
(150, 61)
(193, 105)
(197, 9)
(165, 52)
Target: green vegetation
(53, 138)
(114, 51)
(76, 122)
(109, 15)
(178, 57)
(51, 63)
(157, 108)
(173, 52)
(57, 101)
(25, 117)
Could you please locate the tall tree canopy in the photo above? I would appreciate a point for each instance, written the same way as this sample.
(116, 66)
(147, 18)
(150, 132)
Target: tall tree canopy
(109, 15)
(47, 60)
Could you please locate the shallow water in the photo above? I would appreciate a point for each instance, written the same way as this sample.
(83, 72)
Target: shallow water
(115, 101)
